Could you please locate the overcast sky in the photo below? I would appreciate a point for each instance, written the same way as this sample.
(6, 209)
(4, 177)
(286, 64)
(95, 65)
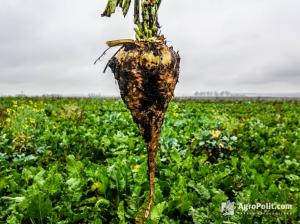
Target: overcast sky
(49, 46)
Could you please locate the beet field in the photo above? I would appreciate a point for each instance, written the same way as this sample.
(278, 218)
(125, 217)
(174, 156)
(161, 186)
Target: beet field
(82, 160)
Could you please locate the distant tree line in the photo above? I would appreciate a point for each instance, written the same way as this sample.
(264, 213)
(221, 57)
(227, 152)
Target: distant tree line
(215, 94)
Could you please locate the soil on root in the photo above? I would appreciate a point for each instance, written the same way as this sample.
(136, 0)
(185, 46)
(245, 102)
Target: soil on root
(147, 74)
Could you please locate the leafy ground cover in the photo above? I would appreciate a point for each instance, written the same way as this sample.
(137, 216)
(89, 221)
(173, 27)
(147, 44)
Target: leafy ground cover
(83, 161)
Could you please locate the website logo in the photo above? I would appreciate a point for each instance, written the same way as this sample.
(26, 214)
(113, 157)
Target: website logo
(227, 208)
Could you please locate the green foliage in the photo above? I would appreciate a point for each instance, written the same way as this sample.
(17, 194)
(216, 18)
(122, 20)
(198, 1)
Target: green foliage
(83, 161)
(145, 16)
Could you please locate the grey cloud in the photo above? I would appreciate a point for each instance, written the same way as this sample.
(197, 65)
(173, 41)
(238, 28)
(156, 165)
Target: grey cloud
(49, 46)
(288, 73)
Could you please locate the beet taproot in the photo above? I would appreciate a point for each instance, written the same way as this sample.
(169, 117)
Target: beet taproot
(147, 74)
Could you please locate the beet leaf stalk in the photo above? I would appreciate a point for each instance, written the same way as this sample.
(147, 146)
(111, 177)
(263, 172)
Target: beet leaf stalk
(145, 16)
(147, 71)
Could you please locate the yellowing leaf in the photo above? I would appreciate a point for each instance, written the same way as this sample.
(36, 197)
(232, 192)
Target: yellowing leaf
(216, 133)
(136, 168)
(95, 186)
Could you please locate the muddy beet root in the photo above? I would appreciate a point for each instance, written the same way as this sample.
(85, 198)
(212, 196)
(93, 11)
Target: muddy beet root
(147, 74)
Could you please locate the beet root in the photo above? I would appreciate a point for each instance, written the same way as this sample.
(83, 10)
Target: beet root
(147, 73)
